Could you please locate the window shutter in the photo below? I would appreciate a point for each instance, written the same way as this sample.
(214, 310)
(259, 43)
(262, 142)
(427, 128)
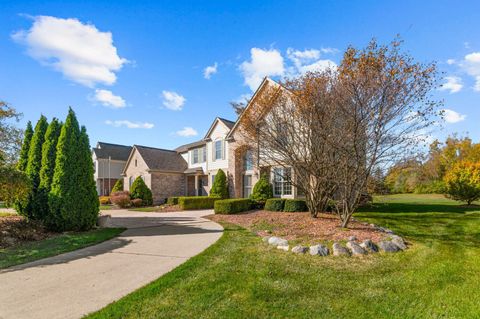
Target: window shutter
(223, 149)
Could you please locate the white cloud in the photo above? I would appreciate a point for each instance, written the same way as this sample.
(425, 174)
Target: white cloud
(173, 100)
(107, 98)
(451, 61)
(210, 70)
(318, 66)
(451, 116)
(262, 63)
(471, 64)
(301, 57)
(452, 84)
(308, 61)
(187, 132)
(79, 51)
(129, 124)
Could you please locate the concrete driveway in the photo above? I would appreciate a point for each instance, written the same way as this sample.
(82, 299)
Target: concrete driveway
(74, 284)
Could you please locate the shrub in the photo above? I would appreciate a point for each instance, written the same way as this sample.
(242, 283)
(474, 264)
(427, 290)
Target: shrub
(140, 190)
(262, 190)
(118, 187)
(433, 187)
(275, 204)
(137, 202)
(295, 205)
(121, 199)
(219, 187)
(197, 202)
(232, 206)
(463, 182)
(172, 200)
(104, 200)
(331, 206)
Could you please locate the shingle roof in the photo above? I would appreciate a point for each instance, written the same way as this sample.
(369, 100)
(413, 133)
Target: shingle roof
(188, 146)
(228, 123)
(161, 159)
(114, 151)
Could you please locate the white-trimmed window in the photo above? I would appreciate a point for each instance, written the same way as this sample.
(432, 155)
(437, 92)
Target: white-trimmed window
(130, 182)
(195, 156)
(199, 155)
(218, 150)
(248, 160)
(204, 154)
(282, 181)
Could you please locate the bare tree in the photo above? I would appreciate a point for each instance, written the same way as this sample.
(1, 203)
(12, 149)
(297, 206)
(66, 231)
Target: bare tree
(10, 135)
(333, 127)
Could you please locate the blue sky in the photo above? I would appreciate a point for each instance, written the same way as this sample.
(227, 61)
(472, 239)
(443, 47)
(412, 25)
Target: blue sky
(158, 72)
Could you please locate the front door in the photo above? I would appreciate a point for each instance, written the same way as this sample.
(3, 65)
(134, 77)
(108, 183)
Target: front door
(247, 185)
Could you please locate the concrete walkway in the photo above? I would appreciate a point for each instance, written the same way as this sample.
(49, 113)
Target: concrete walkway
(74, 284)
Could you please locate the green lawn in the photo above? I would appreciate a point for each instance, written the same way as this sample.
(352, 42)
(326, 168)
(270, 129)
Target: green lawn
(242, 277)
(54, 246)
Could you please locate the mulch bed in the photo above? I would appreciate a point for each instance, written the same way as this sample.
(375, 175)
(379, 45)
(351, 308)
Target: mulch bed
(301, 226)
(16, 230)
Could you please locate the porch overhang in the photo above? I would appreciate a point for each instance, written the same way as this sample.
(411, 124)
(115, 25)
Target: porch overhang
(194, 171)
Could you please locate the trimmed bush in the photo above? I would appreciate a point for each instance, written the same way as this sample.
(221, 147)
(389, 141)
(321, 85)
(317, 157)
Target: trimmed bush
(197, 202)
(140, 190)
(275, 204)
(172, 200)
(118, 187)
(219, 187)
(104, 200)
(232, 206)
(137, 202)
(121, 199)
(295, 205)
(262, 190)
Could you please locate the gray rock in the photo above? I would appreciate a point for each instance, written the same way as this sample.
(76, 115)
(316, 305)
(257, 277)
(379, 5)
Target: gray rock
(319, 250)
(339, 250)
(103, 220)
(356, 249)
(299, 249)
(397, 240)
(388, 231)
(388, 246)
(352, 238)
(283, 247)
(277, 241)
(10, 241)
(370, 246)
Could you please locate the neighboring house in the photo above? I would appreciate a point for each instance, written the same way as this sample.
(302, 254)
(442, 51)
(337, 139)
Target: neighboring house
(162, 170)
(108, 161)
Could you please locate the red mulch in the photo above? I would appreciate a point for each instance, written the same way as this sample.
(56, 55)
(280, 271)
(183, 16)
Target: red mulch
(16, 230)
(301, 226)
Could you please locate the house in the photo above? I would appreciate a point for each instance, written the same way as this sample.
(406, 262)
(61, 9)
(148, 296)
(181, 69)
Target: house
(108, 163)
(190, 169)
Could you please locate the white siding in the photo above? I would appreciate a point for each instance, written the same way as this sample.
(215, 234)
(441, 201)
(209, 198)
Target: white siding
(219, 132)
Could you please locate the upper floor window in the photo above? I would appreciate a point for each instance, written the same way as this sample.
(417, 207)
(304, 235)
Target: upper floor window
(248, 161)
(282, 181)
(218, 155)
(136, 163)
(199, 155)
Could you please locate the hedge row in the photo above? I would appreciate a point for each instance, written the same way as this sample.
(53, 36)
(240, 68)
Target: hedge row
(197, 202)
(232, 206)
(286, 205)
(172, 200)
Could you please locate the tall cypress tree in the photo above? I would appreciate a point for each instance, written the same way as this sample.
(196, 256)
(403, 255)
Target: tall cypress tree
(23, 160)
(72, 200)
(33, 167)
(49, 152)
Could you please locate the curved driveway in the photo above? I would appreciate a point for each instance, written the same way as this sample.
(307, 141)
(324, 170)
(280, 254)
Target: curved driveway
(77, 283)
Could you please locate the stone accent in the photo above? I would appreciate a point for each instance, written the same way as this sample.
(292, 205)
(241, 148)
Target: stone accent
(165, 185)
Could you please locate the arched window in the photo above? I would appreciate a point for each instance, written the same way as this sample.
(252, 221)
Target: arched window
(248, 160)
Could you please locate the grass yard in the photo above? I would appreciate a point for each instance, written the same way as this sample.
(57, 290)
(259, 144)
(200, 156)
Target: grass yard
(242, 277)
(54, 246)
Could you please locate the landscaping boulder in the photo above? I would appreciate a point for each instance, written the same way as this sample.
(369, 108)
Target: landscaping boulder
(103, 220)
(388, 246)
(283, 247)
(356, 249)
(265, 239)
(397, 240)
(277, 241)
(319, 250)
(370, 246)
(299, 249)
(339, 250)
(352, 238)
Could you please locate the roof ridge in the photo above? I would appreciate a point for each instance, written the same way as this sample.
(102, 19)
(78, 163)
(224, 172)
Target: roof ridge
(113, 144)
(154, 148)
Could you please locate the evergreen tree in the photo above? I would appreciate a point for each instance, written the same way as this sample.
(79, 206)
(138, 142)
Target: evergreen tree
(118, 187)
(73, 199)
(219, 187)
(140, 190)
(262, 190)
(23, 160)
(49, 152)
(30, 207)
